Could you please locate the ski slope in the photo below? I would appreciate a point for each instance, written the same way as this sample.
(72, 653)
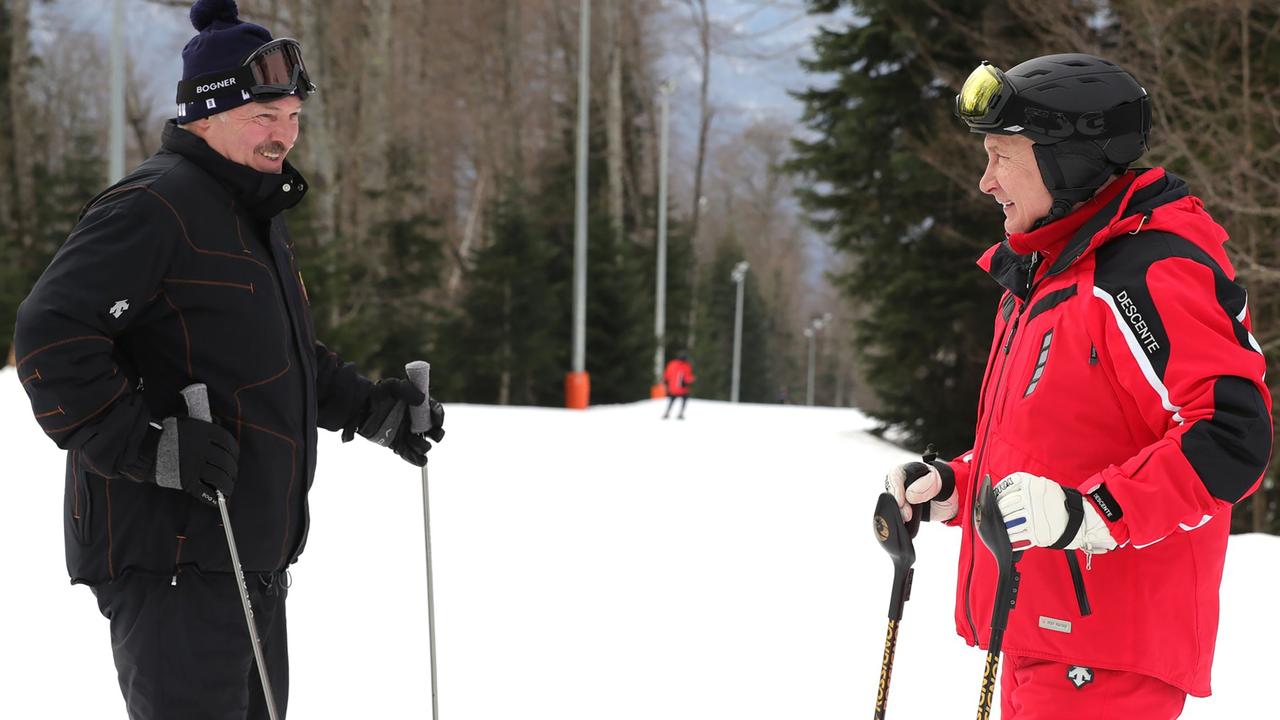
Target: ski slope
(588, 565)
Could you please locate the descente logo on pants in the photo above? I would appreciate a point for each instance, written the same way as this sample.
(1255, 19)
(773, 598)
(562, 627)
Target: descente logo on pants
(1139, 325)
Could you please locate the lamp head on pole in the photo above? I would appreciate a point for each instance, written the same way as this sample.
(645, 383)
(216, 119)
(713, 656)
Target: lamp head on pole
(740, 271)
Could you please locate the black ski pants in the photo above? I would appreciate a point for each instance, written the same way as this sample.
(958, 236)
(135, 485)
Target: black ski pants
(671, 401)
(182, 651)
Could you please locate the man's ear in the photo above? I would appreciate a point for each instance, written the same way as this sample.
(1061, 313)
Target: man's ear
(199, 127)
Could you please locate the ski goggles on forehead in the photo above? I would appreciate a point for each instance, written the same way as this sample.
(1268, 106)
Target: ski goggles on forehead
(273, 71)
(983, 96)
(278, 70)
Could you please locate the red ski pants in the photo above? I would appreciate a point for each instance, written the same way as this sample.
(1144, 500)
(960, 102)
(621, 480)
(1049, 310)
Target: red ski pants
(1034, 689)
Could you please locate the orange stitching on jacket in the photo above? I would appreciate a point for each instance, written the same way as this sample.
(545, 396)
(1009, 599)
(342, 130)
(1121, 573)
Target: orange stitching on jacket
(239, 236)
(185, 337)
(33, 376)
(124, 385)
(187, 238)
(94, 468)
(33, 353)
(293, 467)
(288, 365)
(180, 281)
(75, 483)
(56, 411)
(111, 566)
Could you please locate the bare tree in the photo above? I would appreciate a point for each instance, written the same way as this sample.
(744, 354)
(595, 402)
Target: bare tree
(20, 152)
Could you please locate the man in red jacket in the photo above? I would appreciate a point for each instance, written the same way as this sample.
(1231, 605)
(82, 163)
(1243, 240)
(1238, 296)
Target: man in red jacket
(1123, 411)
(678, 377)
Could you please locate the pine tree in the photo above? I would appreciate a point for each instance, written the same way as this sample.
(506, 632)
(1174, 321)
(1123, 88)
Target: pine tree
(385, 318)
(508, 343)
(911, 233)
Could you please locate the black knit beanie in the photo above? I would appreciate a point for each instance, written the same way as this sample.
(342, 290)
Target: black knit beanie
(223, 42)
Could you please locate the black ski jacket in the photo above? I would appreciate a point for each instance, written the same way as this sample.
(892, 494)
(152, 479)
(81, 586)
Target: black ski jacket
(182, 272)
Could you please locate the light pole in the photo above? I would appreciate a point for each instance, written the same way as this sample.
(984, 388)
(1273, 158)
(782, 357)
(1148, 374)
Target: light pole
(577, 383)
(115, 144)
(660, 312)
(811, 333)
(739, 277)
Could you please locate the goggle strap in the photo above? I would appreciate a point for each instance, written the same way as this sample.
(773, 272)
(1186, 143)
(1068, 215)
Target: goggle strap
(219, 84)
(1131, 117)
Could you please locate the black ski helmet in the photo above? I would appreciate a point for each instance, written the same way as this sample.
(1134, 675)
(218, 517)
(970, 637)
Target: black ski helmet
(1089, 119)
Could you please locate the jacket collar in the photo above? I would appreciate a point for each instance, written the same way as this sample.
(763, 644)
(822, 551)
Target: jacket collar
(263, 195)
(1129, 201)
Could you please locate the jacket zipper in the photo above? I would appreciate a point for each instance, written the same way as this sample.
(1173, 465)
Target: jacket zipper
(1077, 579)
(974, 484)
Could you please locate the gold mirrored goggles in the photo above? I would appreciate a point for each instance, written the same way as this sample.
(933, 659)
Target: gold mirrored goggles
(982, 96)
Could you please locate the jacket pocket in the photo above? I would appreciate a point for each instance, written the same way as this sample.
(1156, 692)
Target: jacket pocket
(81, 506)
(1077, 581)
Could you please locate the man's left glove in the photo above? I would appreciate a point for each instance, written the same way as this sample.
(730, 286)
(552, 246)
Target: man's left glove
(1039, 512)
(385, 420)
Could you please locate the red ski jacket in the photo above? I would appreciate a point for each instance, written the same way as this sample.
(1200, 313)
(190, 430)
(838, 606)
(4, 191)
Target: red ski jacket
(1123, 366)
(678, 376)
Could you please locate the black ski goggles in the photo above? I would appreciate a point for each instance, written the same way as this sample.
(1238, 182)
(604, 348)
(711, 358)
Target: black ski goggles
(273, 71)
(278, 70)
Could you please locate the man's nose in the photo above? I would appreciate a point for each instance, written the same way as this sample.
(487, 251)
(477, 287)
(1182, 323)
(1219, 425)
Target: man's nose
(987, 183)
(285, 133)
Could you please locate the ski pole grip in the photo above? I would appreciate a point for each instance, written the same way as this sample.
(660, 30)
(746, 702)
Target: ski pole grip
(197, 397)
(419, 373)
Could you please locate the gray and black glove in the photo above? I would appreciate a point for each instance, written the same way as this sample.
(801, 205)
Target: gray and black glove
(385, 420)
(198, 457)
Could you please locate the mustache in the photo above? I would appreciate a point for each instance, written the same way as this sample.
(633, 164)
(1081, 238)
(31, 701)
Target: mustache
(277, 148)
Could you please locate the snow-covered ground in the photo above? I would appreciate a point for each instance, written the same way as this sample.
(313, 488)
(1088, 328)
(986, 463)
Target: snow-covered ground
(588, 565)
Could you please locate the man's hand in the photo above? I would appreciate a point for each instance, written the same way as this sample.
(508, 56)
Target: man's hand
(1039, 512)
(385, 420)
(198, 457)
(915, 483)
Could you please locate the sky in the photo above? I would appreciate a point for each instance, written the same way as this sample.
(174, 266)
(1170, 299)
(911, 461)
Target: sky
(759, 44)
(587, 565)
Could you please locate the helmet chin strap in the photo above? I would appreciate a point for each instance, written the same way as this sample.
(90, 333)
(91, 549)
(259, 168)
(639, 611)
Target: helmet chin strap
(1072, 171)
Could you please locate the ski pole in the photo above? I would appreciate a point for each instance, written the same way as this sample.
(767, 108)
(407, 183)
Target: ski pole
(895, 537)
(197, 397)
(419, 373)
(991, 528)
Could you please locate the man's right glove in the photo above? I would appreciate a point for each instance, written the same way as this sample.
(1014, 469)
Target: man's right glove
(198, 457)
(915, 482)
(385, 420)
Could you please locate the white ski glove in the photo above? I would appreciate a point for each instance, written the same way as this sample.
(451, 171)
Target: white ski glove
(915, 483)
(1039, 512)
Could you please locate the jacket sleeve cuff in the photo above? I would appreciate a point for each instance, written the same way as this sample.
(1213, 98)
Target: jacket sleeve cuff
(1109, 509)
(961, 469)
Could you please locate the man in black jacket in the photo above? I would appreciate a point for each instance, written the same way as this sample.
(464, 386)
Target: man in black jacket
(183, 272)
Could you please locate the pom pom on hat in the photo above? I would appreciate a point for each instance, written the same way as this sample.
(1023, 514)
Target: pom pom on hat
(204, 12)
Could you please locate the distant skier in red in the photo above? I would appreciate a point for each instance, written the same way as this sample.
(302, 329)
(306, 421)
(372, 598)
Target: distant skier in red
(678, 377)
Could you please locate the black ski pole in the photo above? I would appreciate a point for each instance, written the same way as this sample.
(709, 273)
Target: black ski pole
(990, 524)
(419, 373)
(197, 397)
(895, 537)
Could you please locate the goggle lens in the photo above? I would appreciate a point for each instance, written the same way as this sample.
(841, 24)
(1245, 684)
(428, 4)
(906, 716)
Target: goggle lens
(279, 68)
(979, 92)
